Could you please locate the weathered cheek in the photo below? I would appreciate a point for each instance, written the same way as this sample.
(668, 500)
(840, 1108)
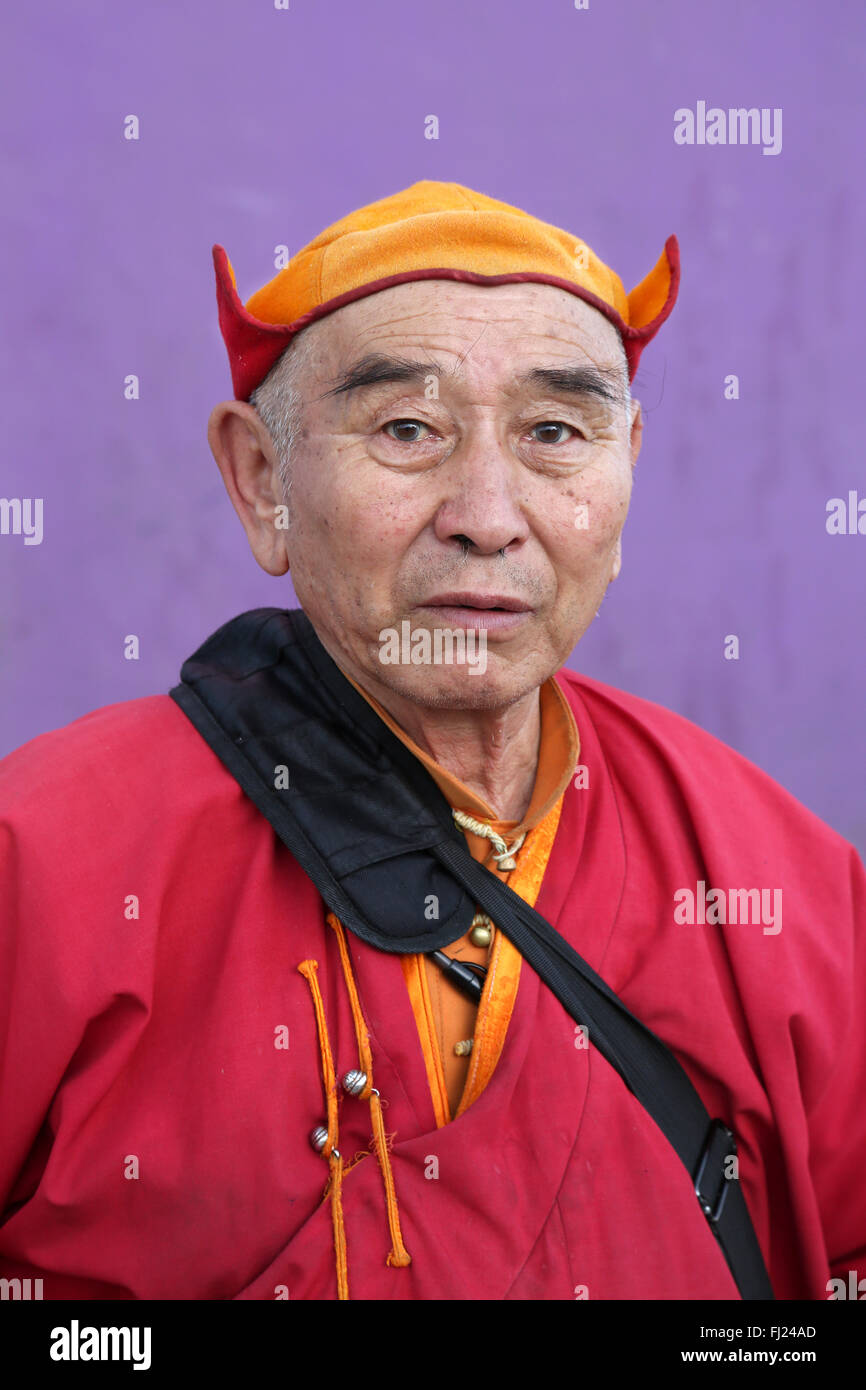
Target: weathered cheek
(367, 534)
(592, 518)
(610, 516)
(381, 527)
(352, 503)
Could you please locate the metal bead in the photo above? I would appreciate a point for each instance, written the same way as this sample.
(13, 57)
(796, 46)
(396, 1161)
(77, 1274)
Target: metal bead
(319, 1138)
(463, 1049)
(481, 931)
(354, 1082)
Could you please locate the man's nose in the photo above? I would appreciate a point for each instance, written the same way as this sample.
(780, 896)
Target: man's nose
(482, 501)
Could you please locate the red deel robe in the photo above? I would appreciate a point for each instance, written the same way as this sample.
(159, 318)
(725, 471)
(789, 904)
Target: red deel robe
(154, 1135)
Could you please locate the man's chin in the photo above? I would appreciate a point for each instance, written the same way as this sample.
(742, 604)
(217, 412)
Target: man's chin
(460, 687)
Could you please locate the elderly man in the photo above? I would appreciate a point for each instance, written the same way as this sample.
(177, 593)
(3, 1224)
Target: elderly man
(388, 959)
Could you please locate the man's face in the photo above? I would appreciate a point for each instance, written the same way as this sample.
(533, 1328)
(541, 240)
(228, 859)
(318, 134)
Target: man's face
(482, 491)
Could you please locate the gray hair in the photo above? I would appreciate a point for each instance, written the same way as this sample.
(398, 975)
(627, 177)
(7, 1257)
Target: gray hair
(279, 402)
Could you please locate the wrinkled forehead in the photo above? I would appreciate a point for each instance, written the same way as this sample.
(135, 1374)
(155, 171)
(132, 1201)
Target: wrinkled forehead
(483, 328)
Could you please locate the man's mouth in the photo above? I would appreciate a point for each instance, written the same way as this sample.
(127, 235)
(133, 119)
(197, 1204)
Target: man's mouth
(494, 612)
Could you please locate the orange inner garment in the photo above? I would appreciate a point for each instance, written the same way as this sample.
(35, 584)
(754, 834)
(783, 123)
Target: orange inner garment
(443, 1015)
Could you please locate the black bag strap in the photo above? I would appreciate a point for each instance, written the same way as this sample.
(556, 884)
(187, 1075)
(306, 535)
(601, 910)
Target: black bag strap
(239, 691)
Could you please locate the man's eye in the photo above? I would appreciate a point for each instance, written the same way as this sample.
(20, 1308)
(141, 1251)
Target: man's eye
(550, 431)
(403, 430)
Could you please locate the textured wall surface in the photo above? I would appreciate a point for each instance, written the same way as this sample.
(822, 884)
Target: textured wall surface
(260, 126)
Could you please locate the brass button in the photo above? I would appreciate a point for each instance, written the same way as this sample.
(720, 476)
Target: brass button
(481, 931)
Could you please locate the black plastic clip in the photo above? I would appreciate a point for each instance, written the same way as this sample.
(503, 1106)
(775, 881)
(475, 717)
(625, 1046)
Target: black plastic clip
(467, 976)
(719, 1147)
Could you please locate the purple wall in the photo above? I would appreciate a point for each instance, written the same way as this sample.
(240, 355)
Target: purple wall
(260, 127)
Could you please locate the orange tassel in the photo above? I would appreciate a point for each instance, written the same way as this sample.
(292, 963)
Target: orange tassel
(309, 970)
(398, 1256)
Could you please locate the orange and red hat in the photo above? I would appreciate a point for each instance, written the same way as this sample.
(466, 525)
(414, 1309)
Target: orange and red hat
(430, 231)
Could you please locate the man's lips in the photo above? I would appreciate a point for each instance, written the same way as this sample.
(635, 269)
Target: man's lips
(473, 600)
(493, 612)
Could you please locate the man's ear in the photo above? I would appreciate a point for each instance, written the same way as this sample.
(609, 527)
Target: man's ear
(636, 436)
(616, 560)
(244, 451)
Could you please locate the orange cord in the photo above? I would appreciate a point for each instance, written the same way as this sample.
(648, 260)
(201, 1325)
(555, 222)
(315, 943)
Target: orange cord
(309, 969)
(398, 1256)
(365, 1056)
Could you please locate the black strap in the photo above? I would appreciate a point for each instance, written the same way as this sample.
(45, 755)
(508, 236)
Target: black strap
(247, 692)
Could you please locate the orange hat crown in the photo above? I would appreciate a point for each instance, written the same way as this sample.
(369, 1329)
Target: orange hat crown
(430, 231)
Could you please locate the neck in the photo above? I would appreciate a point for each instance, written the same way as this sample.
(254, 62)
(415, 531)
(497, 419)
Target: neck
(494, 752)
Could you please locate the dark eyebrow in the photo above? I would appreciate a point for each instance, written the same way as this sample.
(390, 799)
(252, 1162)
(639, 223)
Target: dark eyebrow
(604, 382)
(377, 368)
